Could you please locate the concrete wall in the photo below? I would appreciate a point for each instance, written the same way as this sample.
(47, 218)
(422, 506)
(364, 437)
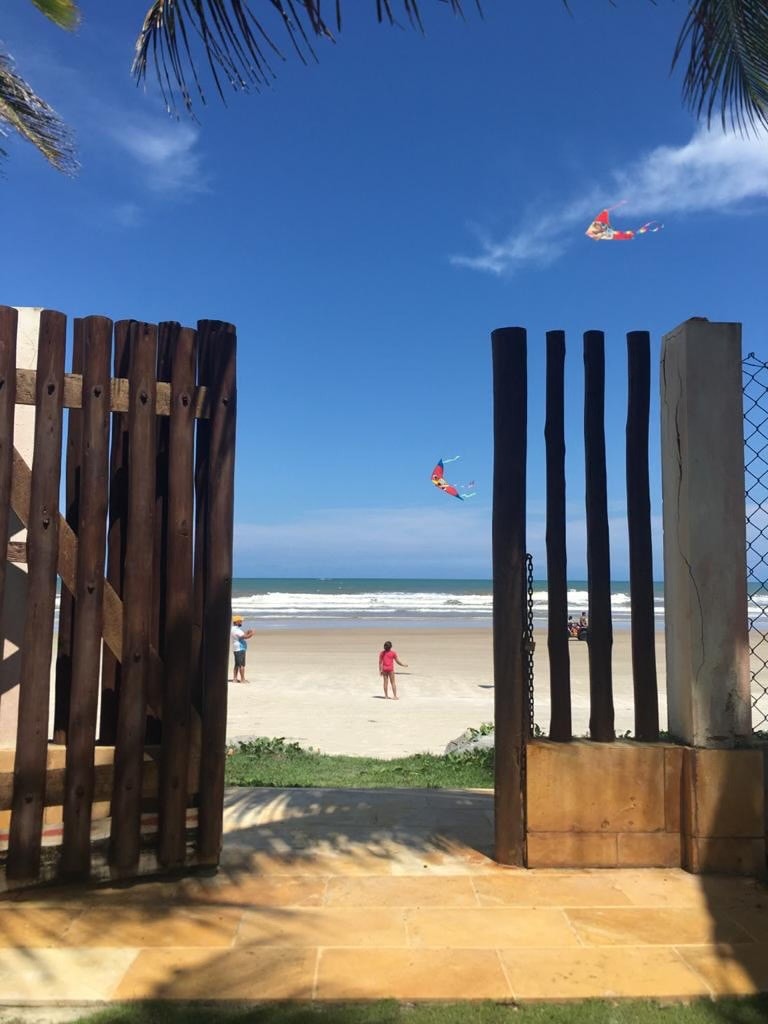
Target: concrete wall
(705, 589)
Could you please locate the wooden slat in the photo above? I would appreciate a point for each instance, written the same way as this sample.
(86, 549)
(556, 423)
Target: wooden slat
(66, 600)
(218, 591)
(21, 487)
(557, 574)
(179, 606)
(96, 337)
(509, 580)
(202, 453)
(601, 719)
(137, 598)
(35, 671)
(166, 335)
(116, 537)
(119, 394)
(8, 328)
(640, 542)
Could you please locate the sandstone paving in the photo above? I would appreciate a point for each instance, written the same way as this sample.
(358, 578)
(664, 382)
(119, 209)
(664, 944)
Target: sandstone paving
(730, 970)
(550, 889)
(489, 928)
(323, 926)
(411, 974)
(431, 891)
(383, 894)
(237, 974)
(643, 926)
(601, 974)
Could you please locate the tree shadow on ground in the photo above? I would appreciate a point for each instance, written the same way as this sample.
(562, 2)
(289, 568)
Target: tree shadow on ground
(243, 932)
(736, 823)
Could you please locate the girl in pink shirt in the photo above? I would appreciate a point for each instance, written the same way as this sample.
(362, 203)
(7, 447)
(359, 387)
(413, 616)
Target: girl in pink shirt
(387, 660)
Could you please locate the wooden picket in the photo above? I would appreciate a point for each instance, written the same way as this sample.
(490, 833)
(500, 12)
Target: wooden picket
(601, 718)
(119, 770)
(43, 549)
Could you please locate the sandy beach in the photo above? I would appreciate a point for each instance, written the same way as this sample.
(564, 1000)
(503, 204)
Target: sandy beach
(321, 688)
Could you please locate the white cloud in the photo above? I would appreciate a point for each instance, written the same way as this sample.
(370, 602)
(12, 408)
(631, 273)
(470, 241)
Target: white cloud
(369, 542)
(713, 172)
(414, 542)
(165, 152)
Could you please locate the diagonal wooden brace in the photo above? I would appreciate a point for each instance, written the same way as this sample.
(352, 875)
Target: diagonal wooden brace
(112, 627)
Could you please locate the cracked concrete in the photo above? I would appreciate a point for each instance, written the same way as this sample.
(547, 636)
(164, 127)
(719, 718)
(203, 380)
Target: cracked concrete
(704, 534)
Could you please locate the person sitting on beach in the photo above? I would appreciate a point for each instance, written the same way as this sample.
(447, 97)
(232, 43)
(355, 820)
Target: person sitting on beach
(583, 620)
(387, 659)
(240, 638)
(573, 629)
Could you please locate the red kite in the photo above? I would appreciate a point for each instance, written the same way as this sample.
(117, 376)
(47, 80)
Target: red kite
(601, 229)
(438, 479)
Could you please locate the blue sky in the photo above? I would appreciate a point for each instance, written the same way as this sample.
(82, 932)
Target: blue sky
(366, 223)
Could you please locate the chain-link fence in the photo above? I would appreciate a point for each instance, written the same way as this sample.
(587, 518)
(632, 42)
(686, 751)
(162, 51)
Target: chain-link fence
(756, 482)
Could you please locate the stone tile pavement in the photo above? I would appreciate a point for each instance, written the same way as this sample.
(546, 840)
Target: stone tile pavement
(364, 894)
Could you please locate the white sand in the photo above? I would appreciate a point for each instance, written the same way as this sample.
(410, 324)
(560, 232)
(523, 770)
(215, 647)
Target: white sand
(321, 688)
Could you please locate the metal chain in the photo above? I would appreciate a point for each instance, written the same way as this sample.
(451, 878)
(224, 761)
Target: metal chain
(755, 383)
(529, 642)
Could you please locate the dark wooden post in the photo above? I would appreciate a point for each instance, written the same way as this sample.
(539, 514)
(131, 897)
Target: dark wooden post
(116, 536)
(167, 333)
(179, 604)
(137, 598)
(598, 543)
(560, 727)
(509, 347)
(640, 543)
(37, 645)
(218, 590)
(67, 600)
(8, 326)
(96, 340)
(202, 463)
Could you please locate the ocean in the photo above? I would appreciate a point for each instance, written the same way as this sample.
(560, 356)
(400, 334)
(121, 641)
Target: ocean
(401, 603)
(329, 603)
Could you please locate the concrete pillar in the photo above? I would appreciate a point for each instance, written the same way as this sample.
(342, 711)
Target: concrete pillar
(16, 576)
(705, 590)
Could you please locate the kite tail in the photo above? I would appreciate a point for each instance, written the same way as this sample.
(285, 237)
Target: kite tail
(649, 228)
(454, 459)
(465, 494)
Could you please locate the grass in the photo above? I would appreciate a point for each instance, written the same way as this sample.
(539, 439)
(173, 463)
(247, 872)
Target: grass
(753, 1010)
(273, 762)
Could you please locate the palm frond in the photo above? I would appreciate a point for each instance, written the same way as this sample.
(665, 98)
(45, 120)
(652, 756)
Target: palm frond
(63, 12)
(23, 111)
(727, 46)
(236, 44)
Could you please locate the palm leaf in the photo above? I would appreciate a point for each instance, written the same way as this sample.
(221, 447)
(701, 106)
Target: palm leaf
(63, 12)
(727, 43)
(22, 110)
(236, 44)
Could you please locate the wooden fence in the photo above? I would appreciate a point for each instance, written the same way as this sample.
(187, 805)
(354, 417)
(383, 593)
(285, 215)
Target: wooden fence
(130, 775)
(509, 347)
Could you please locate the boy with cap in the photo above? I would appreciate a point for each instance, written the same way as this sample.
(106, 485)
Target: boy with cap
(240, 638)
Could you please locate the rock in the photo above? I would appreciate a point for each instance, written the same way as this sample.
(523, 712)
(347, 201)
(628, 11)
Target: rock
(469, 741)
